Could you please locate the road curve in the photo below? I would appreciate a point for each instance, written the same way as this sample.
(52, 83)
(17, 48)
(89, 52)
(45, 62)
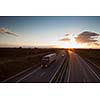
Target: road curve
(80, 71)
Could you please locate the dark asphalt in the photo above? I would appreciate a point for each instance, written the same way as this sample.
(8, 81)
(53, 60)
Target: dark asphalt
(80, 71)
(38, 75)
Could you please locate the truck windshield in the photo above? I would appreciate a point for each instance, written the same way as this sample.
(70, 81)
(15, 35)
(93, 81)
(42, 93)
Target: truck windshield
(45, 60)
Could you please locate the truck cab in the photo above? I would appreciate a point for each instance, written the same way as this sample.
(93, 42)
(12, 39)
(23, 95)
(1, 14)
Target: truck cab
(48, 59)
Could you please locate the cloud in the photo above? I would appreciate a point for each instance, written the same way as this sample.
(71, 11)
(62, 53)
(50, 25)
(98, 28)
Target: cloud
(97, 44)
(65, 39)
(7, 31)
(67, 34)
(87, 37)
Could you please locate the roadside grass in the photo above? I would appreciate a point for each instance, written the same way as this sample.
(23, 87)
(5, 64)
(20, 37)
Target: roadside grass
(13, 61)
(91, 54)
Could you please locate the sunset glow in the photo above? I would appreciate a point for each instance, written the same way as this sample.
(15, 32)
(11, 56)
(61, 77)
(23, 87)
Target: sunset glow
(50, 32)
(71, 44)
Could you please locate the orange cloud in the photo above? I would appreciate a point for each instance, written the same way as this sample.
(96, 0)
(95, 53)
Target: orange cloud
(65, 39)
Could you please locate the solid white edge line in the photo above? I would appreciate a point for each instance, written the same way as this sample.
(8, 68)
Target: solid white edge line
(90, 68)
(28, 75)
(16, 75)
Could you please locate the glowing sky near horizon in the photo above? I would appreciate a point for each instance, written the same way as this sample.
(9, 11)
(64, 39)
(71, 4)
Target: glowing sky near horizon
(45, 31)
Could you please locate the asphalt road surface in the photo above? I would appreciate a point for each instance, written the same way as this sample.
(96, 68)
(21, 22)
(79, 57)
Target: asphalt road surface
(38, 75)
(80, 71)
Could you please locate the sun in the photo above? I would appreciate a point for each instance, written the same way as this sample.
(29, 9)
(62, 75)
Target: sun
(71, 43)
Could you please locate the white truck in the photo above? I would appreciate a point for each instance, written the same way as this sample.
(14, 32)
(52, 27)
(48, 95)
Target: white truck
(48, 59)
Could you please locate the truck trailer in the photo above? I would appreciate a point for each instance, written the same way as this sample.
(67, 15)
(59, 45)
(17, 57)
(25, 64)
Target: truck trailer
(48, 59)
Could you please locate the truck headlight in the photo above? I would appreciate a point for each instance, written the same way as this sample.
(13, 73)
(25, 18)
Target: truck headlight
(41, 65)
(45, 65)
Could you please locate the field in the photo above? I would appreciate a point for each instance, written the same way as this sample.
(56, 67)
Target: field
(14, 60)
(92, 54)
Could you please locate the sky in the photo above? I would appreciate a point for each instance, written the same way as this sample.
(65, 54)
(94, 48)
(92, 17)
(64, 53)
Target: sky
(50, 31)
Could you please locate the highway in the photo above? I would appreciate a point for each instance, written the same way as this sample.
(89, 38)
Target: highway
(78, 70)
(38, 75)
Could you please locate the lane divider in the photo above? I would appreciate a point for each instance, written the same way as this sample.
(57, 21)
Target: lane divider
(57, 70)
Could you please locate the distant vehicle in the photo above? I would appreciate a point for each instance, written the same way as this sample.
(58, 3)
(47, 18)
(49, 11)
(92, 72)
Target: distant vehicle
(48, 59)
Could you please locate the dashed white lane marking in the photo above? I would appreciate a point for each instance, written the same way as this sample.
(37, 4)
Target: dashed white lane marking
(42, 74)
(28, 75)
